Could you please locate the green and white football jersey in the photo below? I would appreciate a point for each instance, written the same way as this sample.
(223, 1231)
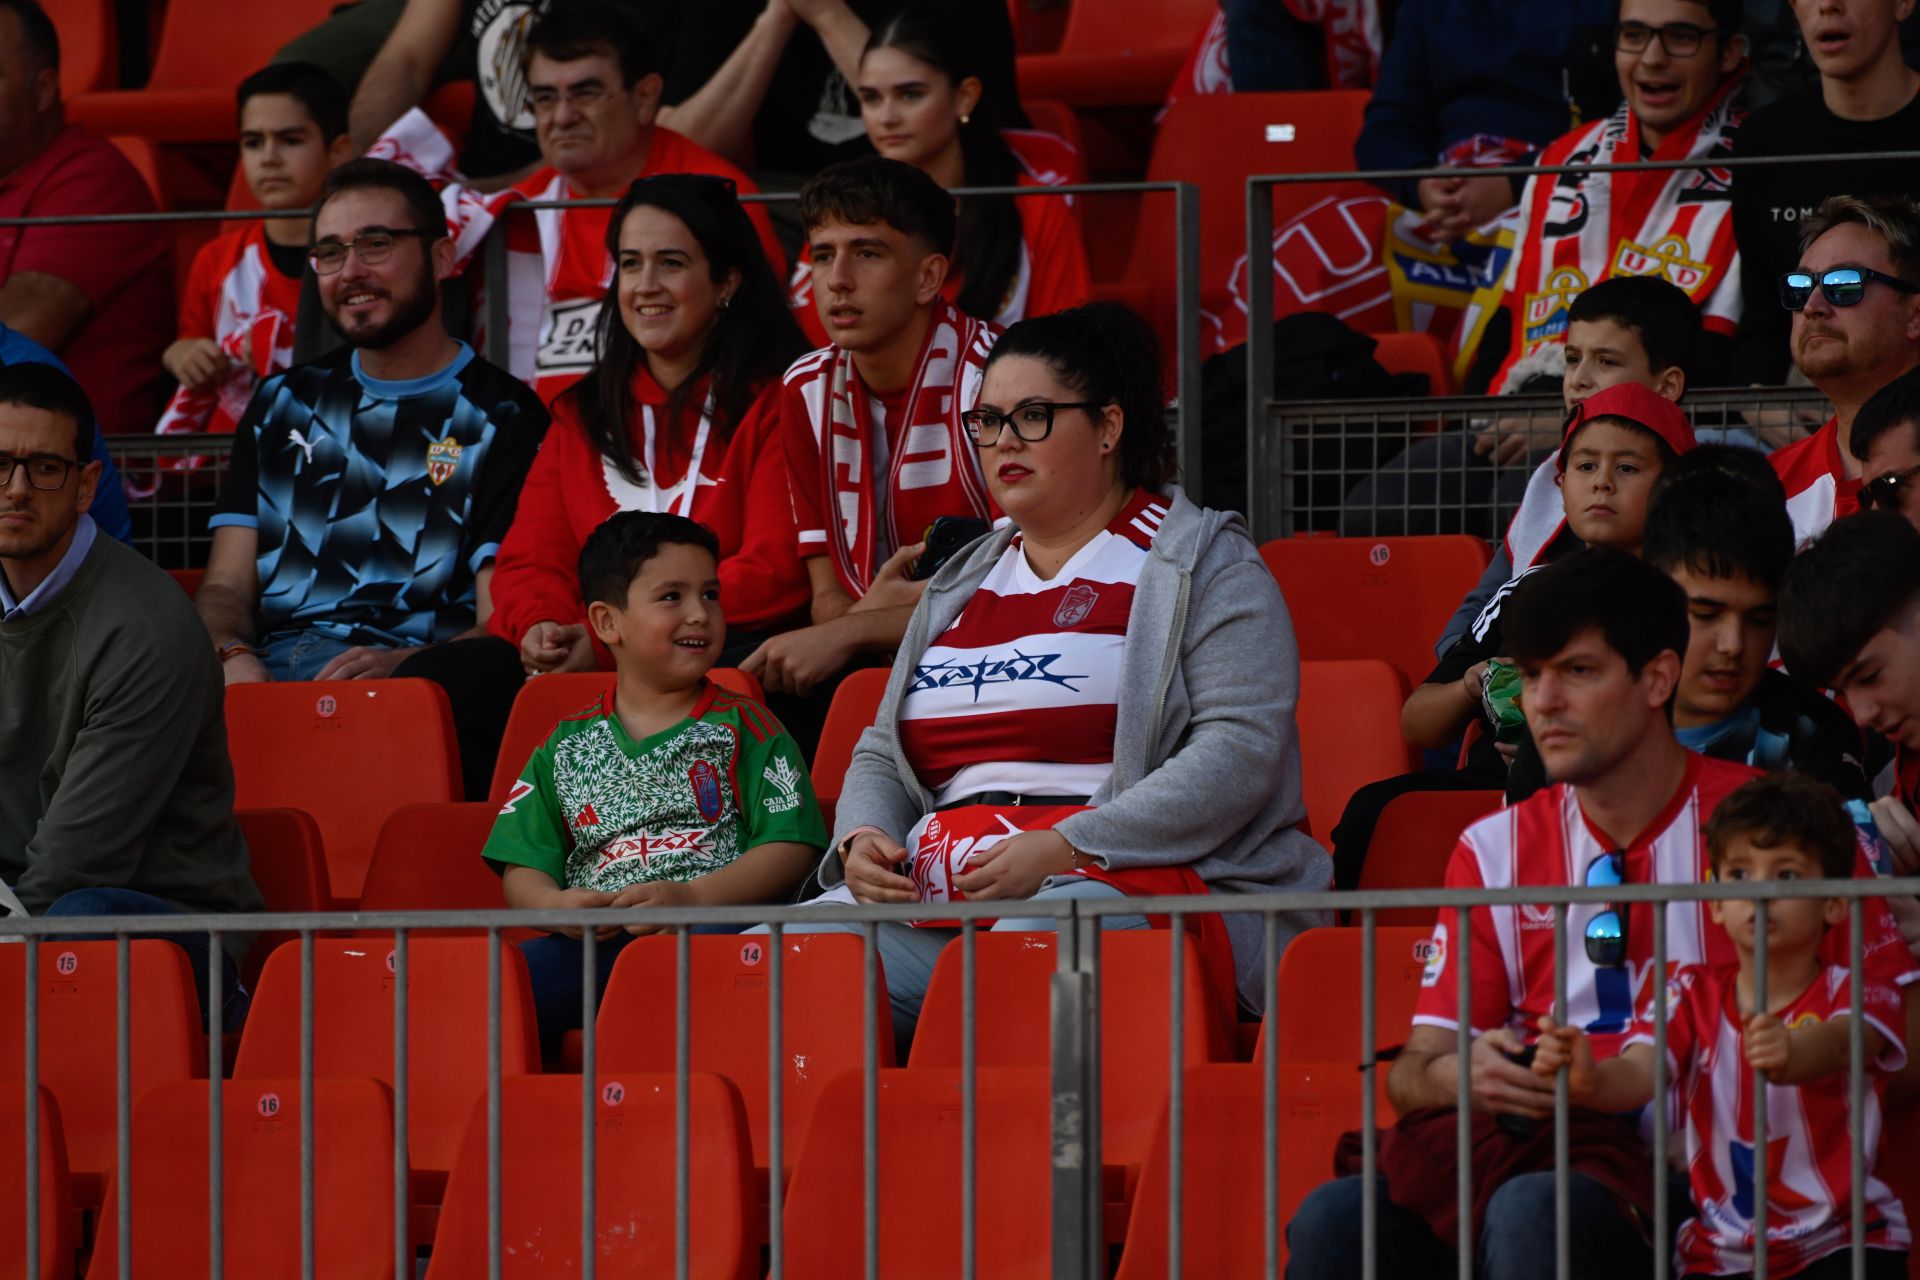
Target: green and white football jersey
(595, 809)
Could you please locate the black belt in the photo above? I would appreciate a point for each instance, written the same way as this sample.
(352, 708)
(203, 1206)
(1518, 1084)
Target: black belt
(1011, 799)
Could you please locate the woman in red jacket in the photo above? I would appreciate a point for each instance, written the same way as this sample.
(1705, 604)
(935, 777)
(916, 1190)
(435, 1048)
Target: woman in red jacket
(673, 417)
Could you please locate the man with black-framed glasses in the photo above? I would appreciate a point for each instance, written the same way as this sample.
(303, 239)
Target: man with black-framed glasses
(116, 791)
(1599, 639)
(1854, 302)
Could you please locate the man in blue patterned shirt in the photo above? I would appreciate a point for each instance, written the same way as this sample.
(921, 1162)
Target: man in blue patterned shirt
(369, 490)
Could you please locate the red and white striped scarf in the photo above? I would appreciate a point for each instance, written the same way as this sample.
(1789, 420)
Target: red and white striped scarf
(1580, 227)
(932, 470)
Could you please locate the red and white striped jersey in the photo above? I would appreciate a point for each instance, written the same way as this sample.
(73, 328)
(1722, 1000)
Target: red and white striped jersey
(1819, 490)
(1021, 693)
(1547, 840)
(235, 297)
(1809, 1165)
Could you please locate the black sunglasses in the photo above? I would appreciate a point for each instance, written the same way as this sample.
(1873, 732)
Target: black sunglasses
(1843, 286)
(1884, 491)
(1607, 932)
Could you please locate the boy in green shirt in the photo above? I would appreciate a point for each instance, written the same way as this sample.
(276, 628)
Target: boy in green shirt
(668, 791)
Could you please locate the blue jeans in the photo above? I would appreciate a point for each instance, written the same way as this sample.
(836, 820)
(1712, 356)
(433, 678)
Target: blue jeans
(235, 999)
(299, 655)
(908, 953)
(1516, 1238)
(553, 969)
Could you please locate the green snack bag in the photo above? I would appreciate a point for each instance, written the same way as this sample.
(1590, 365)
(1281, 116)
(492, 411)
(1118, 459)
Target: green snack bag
(1500, 696)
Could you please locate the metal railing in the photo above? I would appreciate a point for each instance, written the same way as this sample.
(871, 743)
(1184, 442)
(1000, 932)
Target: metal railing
(1078, 1244)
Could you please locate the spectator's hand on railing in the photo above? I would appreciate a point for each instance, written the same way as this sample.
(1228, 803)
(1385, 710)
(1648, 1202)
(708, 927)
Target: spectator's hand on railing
(1500, 1084)
(1565, 1049)
(872, 872)
(1016, 867)
(1457, 206)
(892, 588)
(244, 668)
(1509, 440)
(554, 646)
(1769, 1046)
(196, 363)
(1900, 830)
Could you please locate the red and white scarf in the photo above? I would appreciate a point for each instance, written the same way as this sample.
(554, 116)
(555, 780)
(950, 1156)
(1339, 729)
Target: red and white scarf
(1580, 227)
(931, 468)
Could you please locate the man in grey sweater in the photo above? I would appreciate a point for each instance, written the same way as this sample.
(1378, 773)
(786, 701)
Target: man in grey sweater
(116, 792)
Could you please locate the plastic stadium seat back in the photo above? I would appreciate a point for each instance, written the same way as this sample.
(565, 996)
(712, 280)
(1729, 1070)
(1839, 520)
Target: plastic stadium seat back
(349, 752)
(1415, 353)
(1013, 984)
(855, 704)
(543, 703)
(1319, 996)
(428, 859)
(189, 579)
(353, 1026)
(289, 865)
(1349, 718)
(1116, 55)
(1386, 598)
(203, 54)
(78, 999)
(1223, 1174)
(729, 987)
(1059, 119)
(260, 1182)
(1898, 1165)
(540, 1173)
(1413, 840)
(89, 45)
(920, 1165)
(145, 158)
(59, 1221)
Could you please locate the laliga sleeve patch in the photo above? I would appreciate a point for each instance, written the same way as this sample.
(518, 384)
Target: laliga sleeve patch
(1432, 954)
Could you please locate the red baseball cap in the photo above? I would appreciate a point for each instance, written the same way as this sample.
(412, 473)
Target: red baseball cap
(1639, 405)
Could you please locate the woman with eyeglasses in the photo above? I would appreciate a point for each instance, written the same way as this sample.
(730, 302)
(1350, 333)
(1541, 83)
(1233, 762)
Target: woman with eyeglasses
(923, 103)
(672, 417)
(1095, 700)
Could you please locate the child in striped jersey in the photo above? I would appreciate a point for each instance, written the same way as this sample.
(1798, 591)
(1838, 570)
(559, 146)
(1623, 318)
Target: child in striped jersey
(667, 791)
(1783, 826)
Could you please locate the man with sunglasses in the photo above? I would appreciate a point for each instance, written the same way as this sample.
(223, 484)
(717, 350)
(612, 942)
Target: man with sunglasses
(593, 91)
(1855, 303)
(369, 490)
(1867, 100)
(116, 791)
(1886, 441)
(1598, 638)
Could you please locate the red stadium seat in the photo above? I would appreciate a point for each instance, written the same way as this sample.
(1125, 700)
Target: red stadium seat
(1223, 1174)
(1349, 718)
(919, 1176)
(427, 858)
(189, 579)
(89, 45)
(59, 1223)
(1013, 983)
(349, 752)
(542, 703)
(1385, 598)
(78, 999)
(1415, 353)
(1412, 841)
(1319, 995)
(145, 159)
(353, 1030)
(1116, 55)
(204, 53)
(855, 704)
(728, 991)
(1059, 119)
(260, 1182)
(290, 867)
(1898, 1165)
(540, 1169)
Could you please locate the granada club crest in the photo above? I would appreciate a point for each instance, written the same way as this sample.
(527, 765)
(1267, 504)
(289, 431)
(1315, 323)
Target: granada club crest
(1075, 605)
(705, 777)
(443, 459)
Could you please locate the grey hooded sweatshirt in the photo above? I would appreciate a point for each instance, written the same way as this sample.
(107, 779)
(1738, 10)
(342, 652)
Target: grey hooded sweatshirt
(1206, 759)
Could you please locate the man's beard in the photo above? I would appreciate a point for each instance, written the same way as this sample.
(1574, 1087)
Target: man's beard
(408, 313)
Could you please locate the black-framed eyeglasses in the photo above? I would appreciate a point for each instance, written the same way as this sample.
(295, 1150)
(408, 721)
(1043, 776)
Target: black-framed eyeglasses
(371, 247)
(43, 470)
(1607, 932)
(1032, 421)
(1884, 491)
(1679, 39)
(1841, 286)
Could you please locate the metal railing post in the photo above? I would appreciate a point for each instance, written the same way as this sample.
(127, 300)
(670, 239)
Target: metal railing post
(1073, 1118)
(1266, 505)
(1369, 1149)
(402, 1172)
(216, 1181)
(123, 1099)
(30, 1045)
(1760, 1170)
(969, 1102)
(1187, 355)
(499, 311)
(589, 1102)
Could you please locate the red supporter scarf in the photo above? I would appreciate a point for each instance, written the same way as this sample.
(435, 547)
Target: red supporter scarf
(932, 470)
